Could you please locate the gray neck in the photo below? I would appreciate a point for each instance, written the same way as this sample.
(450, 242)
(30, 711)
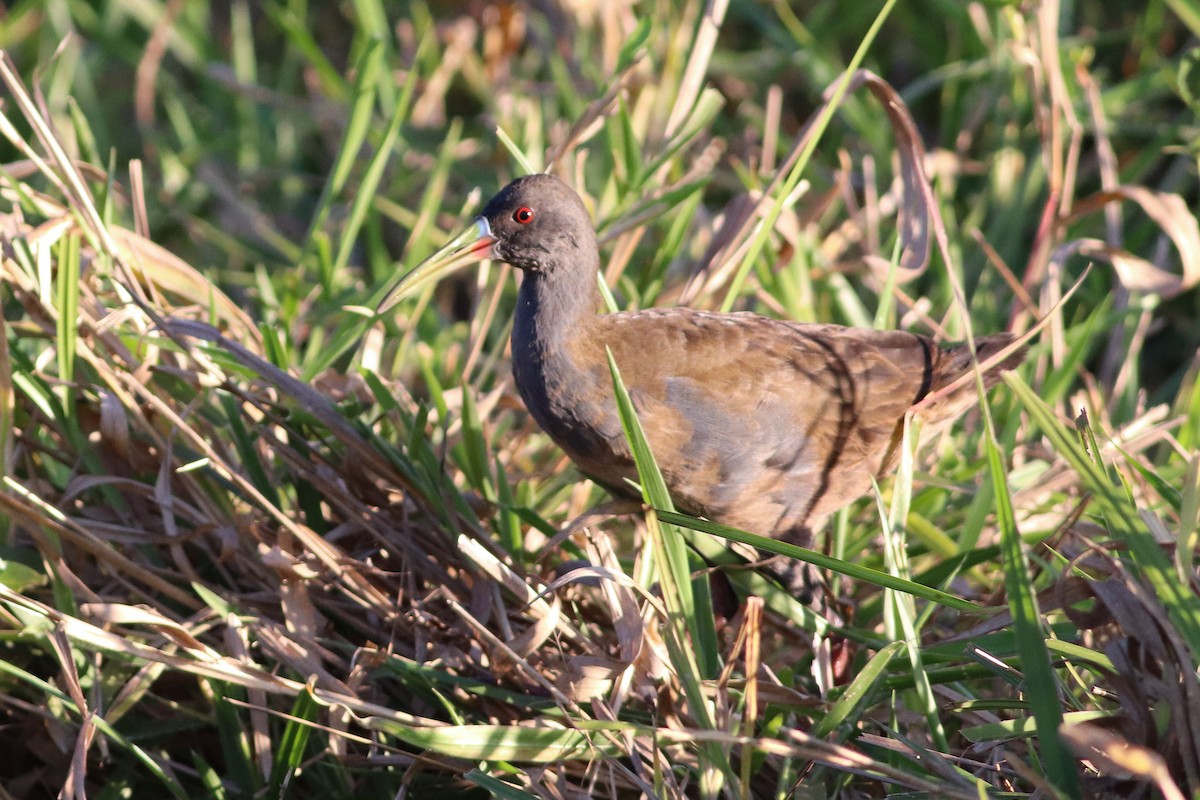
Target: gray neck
(552, 310)
(553, 307)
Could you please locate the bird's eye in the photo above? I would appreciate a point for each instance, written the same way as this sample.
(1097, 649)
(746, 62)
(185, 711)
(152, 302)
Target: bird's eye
(523, 215)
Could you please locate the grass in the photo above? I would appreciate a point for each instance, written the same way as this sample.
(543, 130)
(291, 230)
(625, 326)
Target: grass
(253, 544)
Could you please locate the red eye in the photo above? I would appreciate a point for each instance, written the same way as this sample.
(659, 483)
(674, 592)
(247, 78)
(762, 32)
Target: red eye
(523, 215)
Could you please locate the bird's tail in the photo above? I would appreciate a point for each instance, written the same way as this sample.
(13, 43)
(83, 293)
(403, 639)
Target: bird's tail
(941, 405)
(957, 360)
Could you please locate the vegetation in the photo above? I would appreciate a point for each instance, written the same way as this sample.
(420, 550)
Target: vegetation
(256, 543)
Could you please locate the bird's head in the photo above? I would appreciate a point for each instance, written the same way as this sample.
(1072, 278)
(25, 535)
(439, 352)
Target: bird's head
(536, 223)
(539, 224)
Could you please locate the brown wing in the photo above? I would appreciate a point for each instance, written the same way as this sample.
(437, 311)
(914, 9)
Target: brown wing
(764, 424)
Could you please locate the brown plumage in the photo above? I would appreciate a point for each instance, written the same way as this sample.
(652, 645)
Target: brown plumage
(761, 424)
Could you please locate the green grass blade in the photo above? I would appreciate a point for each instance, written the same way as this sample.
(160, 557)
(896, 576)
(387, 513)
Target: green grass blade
(903, 610)
(690, 637)
(244, 443)
(365, 193)
(854, 696)
(524, 161)
(786, 190)
(1122, 519)
(367, 72)
(67, 297)
(289, 750)
(851, 570)
(498, 788)
(1041, 686)
(543, 745)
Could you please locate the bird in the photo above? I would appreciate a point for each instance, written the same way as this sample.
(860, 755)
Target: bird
(762, 424)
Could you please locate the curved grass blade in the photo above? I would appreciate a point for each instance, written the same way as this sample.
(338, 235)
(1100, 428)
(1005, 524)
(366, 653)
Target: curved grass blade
(690, 636)
(846, 568)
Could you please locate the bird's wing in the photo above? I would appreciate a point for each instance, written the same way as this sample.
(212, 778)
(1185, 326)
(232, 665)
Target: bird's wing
(747, 407)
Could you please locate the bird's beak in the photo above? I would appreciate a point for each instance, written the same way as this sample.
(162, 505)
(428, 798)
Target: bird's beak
(472, 245)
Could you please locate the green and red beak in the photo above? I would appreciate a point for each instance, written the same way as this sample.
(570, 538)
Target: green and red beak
(471, 246)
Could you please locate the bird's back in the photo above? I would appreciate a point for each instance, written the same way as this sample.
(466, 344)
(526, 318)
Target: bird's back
(760, 424)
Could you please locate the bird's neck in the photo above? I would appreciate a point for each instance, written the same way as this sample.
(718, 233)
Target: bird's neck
(549, 346)
(555, 314)
(552, 309)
